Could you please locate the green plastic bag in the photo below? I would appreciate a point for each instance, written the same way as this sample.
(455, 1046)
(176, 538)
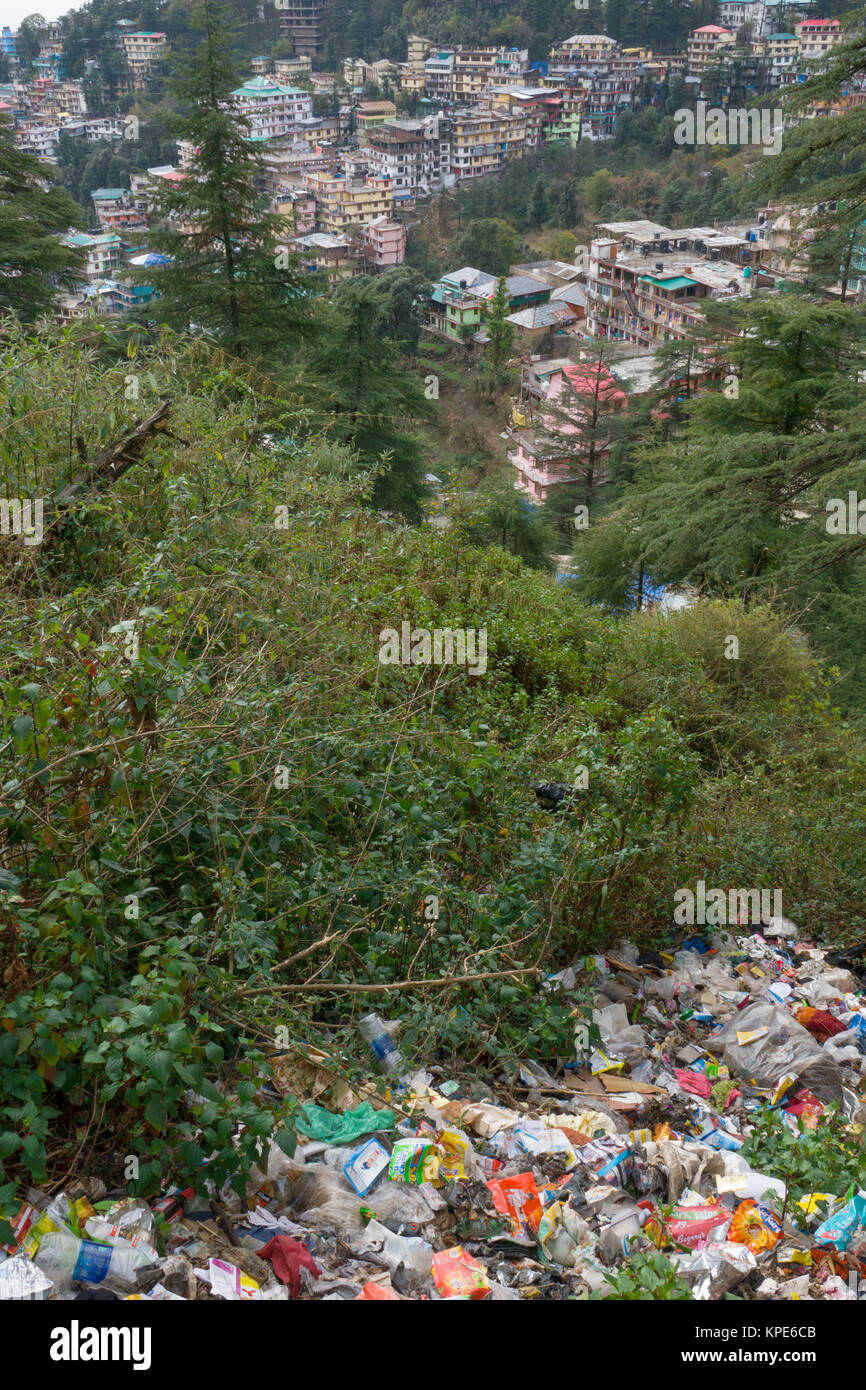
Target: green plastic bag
(342, 1129)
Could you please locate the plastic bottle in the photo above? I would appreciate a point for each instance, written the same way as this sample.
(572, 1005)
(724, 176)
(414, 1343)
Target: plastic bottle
(66, 1259)
(388, 1055)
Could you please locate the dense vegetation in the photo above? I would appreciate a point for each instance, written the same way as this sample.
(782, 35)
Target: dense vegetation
(220, 814)
(224, 824)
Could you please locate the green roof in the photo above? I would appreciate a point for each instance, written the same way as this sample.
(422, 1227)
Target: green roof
(770, 37)
(106, 193)
(670, 282)
(263, 87)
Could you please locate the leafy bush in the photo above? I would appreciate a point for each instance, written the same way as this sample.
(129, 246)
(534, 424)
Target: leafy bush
(221, 816)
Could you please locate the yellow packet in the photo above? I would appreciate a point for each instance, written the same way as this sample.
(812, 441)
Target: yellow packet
(744, 1037)
(453, 1150)
(40, 1228)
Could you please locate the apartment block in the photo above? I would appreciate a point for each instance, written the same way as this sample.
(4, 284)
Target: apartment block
(707, 46)
(303, 22)
(288, 70)
(817, 37)
(143, 49)
(343, 203)
(273, 111)
(414, 154)
(101, 254)
(481, 141)
(782, 56)
(645, 282)
(385, 243)
(371, 114)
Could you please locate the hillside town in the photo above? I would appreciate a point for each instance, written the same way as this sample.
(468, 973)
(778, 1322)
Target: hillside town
(347, 184)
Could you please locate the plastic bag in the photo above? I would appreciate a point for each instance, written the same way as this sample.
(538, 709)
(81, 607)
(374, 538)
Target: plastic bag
(321, 1196)
(561, 1234)
(414, 1254)
(518, 1199)
(693, 1226)
(718, 1268)
(839, 1229)
(457, 1275)
(342, 1129)
(21, 1279)
(784, 1049)
(754, 1226)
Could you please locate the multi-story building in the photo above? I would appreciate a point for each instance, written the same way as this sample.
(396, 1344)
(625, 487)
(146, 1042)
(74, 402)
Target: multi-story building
(303, 21)
(782, 56)
(273, 111)
(51, 62)
(143, 49)
(708, 45)
(566, 125)
(288, 70)
(333, 256)
(481, 141)
(414, 154)
(570, 405)
(100, 254)
(609, 95)
(41, 140)
(385, 243)
(458, 301)
(733, 14)
(537, 107)
(817, 37)
(371, 114)
(342, 203)
(64, 99)
(475, 67)
(584, 48)
(439, 75)
(298, 208)
(146, 188)
(645, 282)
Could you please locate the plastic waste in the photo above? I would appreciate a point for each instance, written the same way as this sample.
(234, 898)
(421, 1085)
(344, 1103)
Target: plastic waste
(717, 1268)
(374, 1031)
(21, 1279)
(764, 1043)
(415, 1254)
(66, 1259)
(342, 1129)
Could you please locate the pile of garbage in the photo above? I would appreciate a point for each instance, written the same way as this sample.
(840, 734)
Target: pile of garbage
(557, 1183)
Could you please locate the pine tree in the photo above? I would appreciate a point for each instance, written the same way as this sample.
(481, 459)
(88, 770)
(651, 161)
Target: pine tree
(538, 203)
(34, 264)
(822, 160)
(580, 420)
(498, 514)
(739, 501)
(567, 206)
(230, 273)
(354, 378)
(500, 332)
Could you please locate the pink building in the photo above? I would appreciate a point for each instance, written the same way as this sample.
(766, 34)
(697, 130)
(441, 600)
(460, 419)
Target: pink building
(386, 242)
(570, 431)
